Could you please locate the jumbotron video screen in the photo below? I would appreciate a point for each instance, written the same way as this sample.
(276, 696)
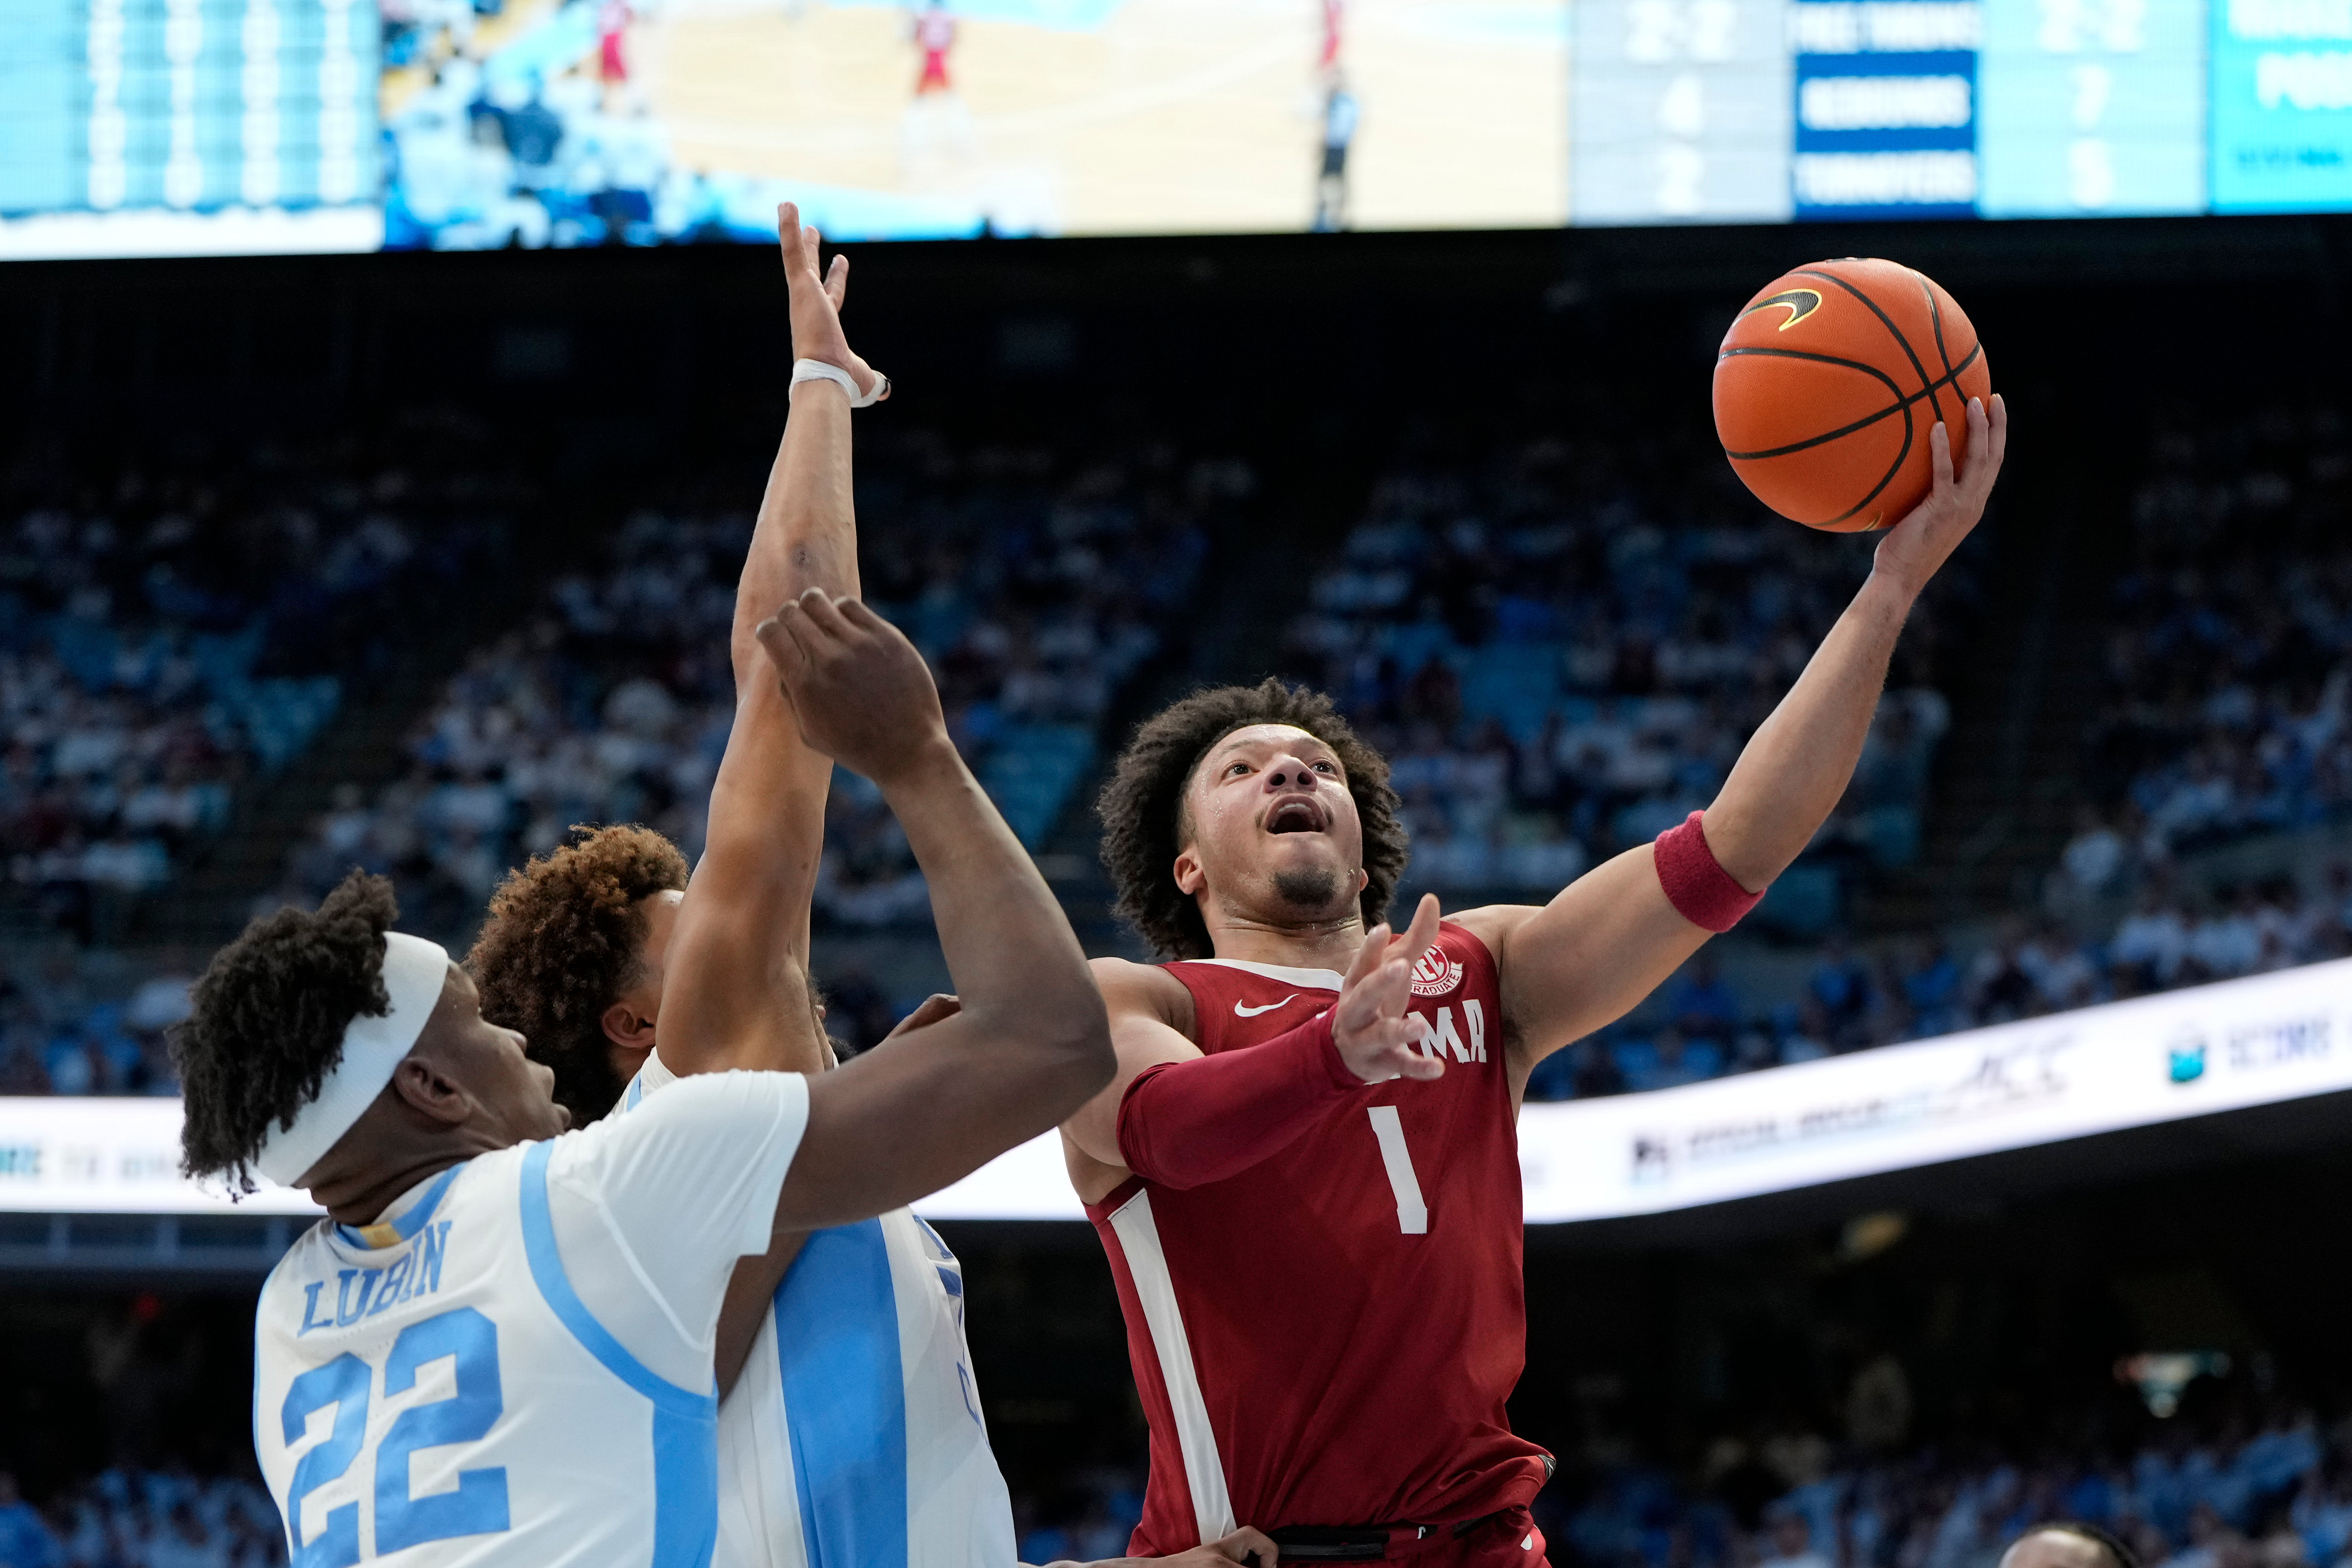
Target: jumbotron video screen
(170, 127)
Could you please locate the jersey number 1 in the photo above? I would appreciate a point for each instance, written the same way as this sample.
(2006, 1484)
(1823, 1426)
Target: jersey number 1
(477, 1507)
(1413, 1215)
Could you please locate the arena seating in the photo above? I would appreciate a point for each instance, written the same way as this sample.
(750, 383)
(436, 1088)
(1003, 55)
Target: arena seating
(1562, 644)
(2251, 1492)
(126, 1516)
(169, 634)
(1036, 583)
(1559, 641)
(2228, 635)
(2274, 1491)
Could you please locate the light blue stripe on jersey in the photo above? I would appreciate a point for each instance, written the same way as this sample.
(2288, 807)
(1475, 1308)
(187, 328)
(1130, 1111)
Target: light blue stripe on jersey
(407, 1224)
(636, 1091)
(686, 1424)
(838, 1338)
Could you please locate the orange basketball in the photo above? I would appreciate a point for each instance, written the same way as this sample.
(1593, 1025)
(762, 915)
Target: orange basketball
(1827, 385)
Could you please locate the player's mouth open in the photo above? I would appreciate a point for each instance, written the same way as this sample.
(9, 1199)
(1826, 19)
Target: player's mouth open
(1294, 817)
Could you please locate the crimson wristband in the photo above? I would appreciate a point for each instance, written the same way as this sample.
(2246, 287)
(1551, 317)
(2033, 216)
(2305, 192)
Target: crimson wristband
(1185, 1123)
(1698, 887)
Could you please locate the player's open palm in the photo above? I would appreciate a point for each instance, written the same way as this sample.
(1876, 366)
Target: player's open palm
(1369, 1025)
(861, 693)
(817, 298)
(1915, 548)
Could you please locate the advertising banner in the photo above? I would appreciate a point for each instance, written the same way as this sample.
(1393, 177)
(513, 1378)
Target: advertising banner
(2243, 1043)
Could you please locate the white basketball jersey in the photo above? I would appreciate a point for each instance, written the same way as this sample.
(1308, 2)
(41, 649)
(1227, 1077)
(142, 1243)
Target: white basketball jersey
(853, 1438)
(512, 1367)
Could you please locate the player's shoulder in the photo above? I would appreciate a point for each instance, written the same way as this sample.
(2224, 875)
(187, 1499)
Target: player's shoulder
(1491, 925)
(1153, 989)
(1126, 975)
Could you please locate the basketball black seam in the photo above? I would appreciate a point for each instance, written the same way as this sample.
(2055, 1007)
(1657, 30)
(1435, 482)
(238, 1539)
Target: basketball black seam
(1901, 400)
(1908, 431)
(1935, 324)
(1894, 407)
(1883, 319)
(1903, 403)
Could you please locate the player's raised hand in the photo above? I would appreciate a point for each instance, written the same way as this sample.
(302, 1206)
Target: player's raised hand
(817, 299)
(860, 691)
(1916, 547)
(1369, 1023)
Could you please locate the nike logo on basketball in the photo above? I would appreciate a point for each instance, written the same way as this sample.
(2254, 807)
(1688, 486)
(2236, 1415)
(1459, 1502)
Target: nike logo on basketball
(1799, 302)
(1242, 1011)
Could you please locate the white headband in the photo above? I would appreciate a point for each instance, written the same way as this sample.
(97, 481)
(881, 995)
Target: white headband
(415, 971)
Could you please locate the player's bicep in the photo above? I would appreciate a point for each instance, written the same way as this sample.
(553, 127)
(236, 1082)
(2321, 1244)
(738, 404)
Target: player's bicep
(1589, 956)
(687, 1183)
(733, 996)
(895, 1124)
(1141, 1037)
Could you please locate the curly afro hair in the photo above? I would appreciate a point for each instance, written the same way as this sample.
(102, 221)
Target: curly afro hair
(265, 1023)
(1142, 806)
(560, 947)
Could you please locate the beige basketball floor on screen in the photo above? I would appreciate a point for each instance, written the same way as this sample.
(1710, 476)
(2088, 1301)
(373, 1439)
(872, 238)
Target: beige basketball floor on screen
(1167, 116)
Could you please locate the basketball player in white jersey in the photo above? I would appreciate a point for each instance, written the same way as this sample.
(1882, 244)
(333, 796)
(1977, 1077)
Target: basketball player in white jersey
(498, 1348)
(855, 1433)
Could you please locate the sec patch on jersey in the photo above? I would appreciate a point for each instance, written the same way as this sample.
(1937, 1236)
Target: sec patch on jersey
(1436, 974)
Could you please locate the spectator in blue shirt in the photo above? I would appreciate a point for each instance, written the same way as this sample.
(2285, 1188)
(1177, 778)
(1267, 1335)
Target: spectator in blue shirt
(1931, 983)
(1841, 983)
(1701, 1003)
(25, 1540)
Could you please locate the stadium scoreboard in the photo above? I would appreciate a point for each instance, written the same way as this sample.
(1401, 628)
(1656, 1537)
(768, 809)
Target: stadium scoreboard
(1756, 111)
(193, 126)
(188, 126)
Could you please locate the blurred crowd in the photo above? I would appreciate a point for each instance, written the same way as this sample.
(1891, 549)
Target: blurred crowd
(132, 1518)
(1037, 586)
(1562, 643)
(2274, 1492)
(168, 633)
(2229, 650)
(58, 1036)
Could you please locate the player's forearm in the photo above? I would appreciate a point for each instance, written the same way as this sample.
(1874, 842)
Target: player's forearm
(807, 536)
(751, 1293)
(1017, 967)
(740, 954)
(1796, 766)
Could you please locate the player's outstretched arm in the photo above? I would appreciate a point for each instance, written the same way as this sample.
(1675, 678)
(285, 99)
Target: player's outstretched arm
(1029, 1042)
(1181, 1117)
(1614, 934)
(735, 993)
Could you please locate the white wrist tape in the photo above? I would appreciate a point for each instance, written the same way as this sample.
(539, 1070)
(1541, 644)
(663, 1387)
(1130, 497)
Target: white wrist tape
(817, 369)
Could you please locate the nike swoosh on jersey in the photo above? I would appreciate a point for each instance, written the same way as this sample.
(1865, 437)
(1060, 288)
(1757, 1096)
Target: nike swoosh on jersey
(1242, 1011)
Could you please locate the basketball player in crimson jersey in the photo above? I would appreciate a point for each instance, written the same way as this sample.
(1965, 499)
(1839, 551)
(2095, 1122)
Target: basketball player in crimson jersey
(935, 33)
(1306, 1173)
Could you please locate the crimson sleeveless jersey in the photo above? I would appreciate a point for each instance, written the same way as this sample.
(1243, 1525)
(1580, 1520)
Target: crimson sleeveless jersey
(1328, 1337)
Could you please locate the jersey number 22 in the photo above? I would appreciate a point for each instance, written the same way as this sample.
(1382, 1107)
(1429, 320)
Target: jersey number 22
(478, 1506)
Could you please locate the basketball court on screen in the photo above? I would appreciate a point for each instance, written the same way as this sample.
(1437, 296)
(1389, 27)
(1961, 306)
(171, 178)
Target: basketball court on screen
(1099, 116)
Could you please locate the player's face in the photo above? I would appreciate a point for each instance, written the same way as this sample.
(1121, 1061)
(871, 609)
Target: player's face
(1272, 829)
(513, 1092)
